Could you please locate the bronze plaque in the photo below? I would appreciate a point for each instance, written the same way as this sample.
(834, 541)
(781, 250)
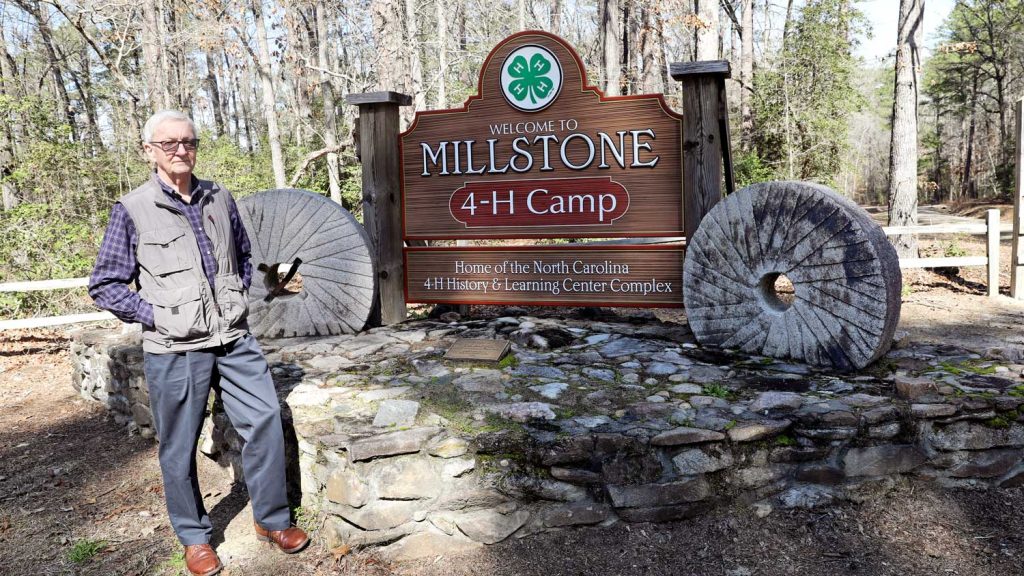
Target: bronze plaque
(538, 153)
(634, 276)
(478, 349)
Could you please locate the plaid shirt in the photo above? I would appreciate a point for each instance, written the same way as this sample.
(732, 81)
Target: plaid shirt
(117, 267)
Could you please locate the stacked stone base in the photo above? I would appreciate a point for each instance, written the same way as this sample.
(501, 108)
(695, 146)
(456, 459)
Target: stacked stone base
(593, 423)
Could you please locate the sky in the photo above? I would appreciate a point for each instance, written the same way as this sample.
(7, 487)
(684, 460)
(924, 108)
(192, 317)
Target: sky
(883, 16)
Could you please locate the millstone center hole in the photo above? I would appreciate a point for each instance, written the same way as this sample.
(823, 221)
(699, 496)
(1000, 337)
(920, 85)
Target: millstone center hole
(777, 292)
(277, 273)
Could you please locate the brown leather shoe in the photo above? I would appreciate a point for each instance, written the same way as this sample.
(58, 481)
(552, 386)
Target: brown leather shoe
(201, 560)
(289, 540)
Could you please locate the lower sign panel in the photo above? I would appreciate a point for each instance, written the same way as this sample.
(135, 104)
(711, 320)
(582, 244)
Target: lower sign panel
(640, 276)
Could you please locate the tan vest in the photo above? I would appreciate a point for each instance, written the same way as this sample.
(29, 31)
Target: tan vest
(187, 313)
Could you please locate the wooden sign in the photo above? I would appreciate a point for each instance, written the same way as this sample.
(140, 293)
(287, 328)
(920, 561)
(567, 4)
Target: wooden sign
(538, 153)
(641, 276)
(478, 349)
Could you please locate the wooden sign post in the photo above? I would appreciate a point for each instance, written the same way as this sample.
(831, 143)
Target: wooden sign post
(705, 137)
(382, 218)
(539, 153)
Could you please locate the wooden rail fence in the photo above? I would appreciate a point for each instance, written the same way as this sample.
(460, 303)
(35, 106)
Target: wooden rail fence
(990, 228)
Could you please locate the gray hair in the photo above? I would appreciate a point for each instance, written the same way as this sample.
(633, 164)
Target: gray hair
(161, 117)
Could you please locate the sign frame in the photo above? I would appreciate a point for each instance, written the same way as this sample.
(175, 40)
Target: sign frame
(587, 90)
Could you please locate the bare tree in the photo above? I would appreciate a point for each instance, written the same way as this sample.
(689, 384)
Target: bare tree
(55, 64)
(903, 155)
(262, 60)
(442, 53)
(419, 96)
(611, 64)
(330, 116)
(706, 29)
(746, 75)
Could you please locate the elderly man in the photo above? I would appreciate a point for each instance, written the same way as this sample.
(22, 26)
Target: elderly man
(181, 242)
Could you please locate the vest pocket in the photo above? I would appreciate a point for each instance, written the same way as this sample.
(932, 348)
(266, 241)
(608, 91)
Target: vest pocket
(161, 252)
(178, 313)
(234, 302)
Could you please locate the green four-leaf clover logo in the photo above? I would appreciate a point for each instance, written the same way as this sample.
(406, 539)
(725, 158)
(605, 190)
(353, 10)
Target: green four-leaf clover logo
(531, 78)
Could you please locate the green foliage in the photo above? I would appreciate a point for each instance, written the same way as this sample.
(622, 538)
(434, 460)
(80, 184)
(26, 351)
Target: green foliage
(509, 361)
(85, 549)
(237, 170)
(1002, 421)
(38, 243)
(717, 390)
(749, 169)
(305, 518)
(974, 75)
(803, 103)
(449, 402)
(785, 440)
(245, 173)
(967, 367)
(174, 565)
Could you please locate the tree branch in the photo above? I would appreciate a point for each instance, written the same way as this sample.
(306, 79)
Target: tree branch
(314, 156)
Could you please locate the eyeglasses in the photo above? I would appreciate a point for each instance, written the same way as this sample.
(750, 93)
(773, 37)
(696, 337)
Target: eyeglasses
(171, 146)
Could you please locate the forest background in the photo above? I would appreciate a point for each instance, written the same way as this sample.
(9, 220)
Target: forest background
(266, 81)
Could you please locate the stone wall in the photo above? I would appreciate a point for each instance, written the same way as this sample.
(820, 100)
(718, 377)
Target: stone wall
(592, 423)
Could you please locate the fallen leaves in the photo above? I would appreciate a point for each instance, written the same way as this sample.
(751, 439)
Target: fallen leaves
(339, 552)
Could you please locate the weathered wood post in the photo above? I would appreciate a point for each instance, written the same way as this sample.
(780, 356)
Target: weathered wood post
(705, 137)
(382, 196)
(992, 251)
(1016, 262)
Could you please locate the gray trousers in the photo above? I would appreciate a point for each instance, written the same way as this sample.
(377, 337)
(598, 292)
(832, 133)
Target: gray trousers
(179, 386)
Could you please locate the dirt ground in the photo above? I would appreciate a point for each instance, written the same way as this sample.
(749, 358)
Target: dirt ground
(80, 496)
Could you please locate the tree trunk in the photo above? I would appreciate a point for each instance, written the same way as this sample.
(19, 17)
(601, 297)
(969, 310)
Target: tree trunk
(522, 14)
(240, 117)
(903, 152)
(555, 17)
(442, 54)
(7, 77)
(650, 78)
(387, 32)
(157, 83)
(330, 115)
(298, 43)
(56, 69)
(419, 96)
(214, 90)
(706, 38)
(968, 189)
(786, 23)
(611, 62)
(747, 76)
(269, 97)
(661, 58)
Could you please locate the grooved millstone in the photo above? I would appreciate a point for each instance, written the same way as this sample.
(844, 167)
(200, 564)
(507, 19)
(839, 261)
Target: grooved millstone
(338, 282)
(845, 274)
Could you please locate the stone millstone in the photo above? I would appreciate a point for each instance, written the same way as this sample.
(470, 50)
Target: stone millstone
(845, 274)
(338, 282)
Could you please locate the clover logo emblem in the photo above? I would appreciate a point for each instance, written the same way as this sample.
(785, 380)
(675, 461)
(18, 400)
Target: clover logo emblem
(531, 78)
